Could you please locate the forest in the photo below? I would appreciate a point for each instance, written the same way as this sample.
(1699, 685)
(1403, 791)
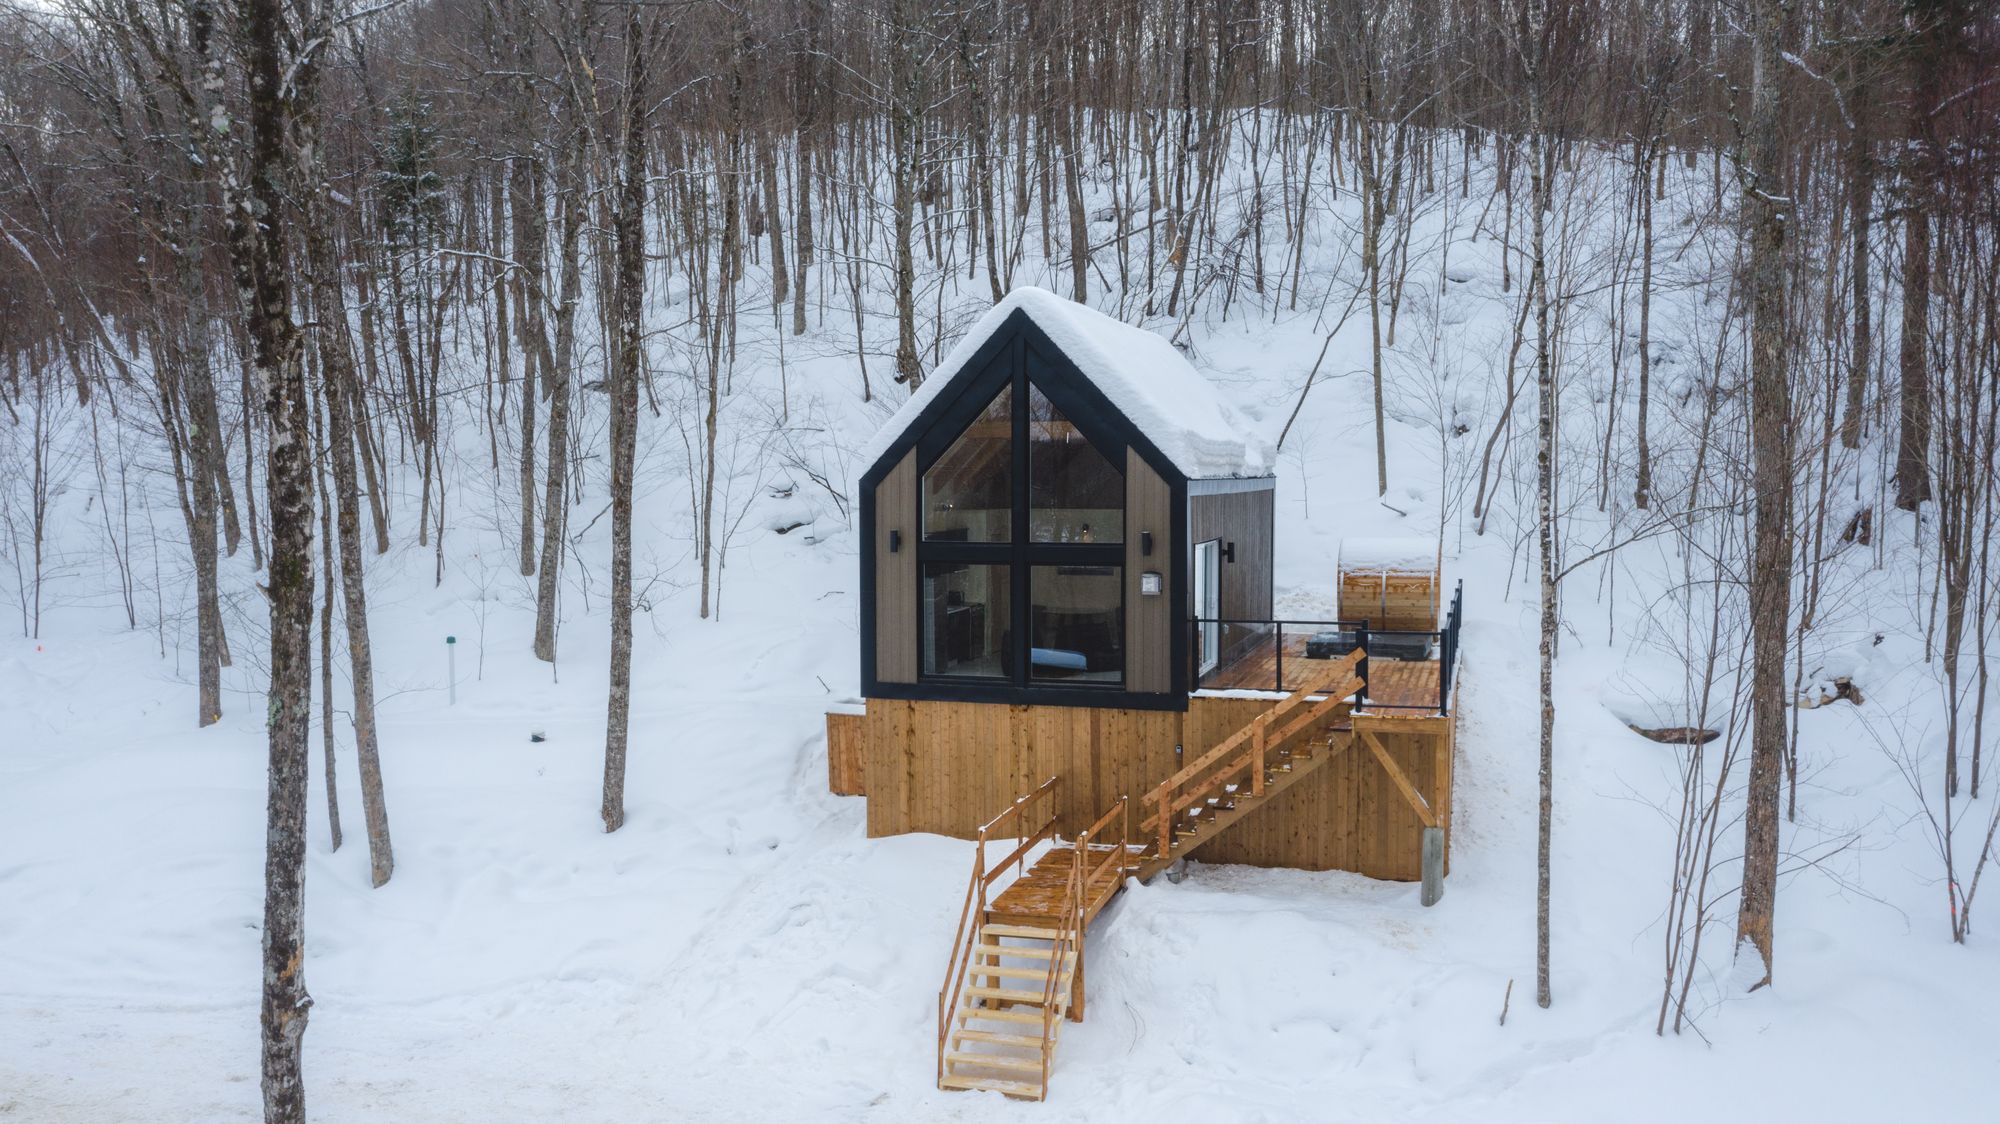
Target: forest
(1677, 322)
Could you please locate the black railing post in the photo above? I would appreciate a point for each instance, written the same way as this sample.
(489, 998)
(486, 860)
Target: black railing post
(1361, 668)
(1444, 668)
(1194, 649)
(1279, 632)
(1448, 645)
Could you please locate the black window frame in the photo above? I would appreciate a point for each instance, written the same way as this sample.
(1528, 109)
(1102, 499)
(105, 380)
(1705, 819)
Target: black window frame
(1019, 366)
(1081, 399)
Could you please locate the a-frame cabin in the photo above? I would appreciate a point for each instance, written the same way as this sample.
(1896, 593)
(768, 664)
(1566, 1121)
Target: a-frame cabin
(1067, 648)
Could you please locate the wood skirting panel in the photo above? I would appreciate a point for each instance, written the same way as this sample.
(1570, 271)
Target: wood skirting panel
(1149, 507)
(948, 767)
(1350, 815)
(896, 574)
(846, 741)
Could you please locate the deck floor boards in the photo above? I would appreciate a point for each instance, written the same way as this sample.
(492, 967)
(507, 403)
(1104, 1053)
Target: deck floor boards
(1036, 897)
(1391, 683)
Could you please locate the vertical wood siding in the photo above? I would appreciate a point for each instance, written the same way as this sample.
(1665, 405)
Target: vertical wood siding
(1148, 620)
(947, 767)
(896, 574)
(1246, 519)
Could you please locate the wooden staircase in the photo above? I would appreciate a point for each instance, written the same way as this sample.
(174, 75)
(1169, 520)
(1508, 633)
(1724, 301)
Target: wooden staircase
(1016, 973)
(1013, 1000)
(1017, 967)
(1276, 750)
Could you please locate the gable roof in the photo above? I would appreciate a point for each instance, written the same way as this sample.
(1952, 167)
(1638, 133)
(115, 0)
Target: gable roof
(1142, 375)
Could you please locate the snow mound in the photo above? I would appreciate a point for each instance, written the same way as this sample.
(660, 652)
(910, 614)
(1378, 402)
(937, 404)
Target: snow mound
(1389, 554)
(1651, 699)
(1151, 383)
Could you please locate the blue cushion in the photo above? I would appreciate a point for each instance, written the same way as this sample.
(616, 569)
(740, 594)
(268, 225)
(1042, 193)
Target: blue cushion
(1058, 657)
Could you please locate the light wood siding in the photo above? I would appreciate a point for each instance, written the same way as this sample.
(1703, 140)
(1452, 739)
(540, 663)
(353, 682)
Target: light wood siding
(1246, 519)
(1349, 815)
(947, 767)
(1391, 601)
(846, 737)
(1149, 621)
(896, 574)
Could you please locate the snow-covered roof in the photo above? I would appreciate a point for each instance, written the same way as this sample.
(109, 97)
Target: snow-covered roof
(1157, 389)
(1397, 555)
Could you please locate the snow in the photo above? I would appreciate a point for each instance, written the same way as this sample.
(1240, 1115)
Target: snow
(741, 951)
(1389, 554)
(1152, 384)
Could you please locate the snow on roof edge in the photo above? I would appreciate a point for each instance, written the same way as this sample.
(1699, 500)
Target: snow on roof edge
(1151, 383)
(1391, 553)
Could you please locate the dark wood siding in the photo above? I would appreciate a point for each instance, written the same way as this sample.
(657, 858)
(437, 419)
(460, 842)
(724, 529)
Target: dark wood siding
(1149, 621)
(1246, 519)
(896, 574)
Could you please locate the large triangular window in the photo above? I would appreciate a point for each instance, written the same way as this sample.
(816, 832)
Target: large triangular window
(1022, 576)
(968, 493)
(1075, 493)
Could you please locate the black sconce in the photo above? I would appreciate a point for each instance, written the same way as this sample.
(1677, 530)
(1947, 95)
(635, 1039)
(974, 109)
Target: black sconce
(1146, 542)
(895, 541)
(1229, 552)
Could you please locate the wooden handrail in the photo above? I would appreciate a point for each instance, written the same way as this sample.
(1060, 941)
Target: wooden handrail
(1247, 749)
(967, 935)
(1318, 684)
(1020, 804)
(1068, 942)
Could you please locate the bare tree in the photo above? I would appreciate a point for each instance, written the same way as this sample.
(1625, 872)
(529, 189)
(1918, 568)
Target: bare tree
(630, 234)
(1765, 206)
(288, 489)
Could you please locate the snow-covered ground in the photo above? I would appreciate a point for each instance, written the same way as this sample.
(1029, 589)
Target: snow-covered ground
(740, 950)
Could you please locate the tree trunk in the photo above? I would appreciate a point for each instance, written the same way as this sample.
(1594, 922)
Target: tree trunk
(903, 123)
(1079, 222)
(1913, 484)
(288, 490)
(554, 511)
(339, 388)
(1642, 492)
(326, 579)
(1770, 578)
(1861, 201)
(1540, 193)
(774, 220)
(631, 264)
(1931, 22)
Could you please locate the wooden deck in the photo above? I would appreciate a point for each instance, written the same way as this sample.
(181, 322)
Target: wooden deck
(1403, 683)
(1036, 898)
(1392, 684)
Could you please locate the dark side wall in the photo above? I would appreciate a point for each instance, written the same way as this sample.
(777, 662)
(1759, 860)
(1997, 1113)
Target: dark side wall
(1247, 519)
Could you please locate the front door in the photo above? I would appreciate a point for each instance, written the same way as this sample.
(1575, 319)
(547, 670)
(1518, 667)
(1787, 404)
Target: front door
(1208, 603)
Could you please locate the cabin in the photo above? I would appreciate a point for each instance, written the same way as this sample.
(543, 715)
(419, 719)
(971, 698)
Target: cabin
(1047, 514)
(1069, 656)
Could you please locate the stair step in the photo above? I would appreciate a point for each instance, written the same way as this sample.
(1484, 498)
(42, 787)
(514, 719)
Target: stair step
(996, 1061)
(1037, 952)
(999, 1015)
(1008, 995)
(977, 969)
(998, 1038)
(1020, 931)
(992, 1085)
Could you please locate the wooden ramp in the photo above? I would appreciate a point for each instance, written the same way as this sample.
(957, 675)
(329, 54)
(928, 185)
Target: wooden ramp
(1017, 966)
